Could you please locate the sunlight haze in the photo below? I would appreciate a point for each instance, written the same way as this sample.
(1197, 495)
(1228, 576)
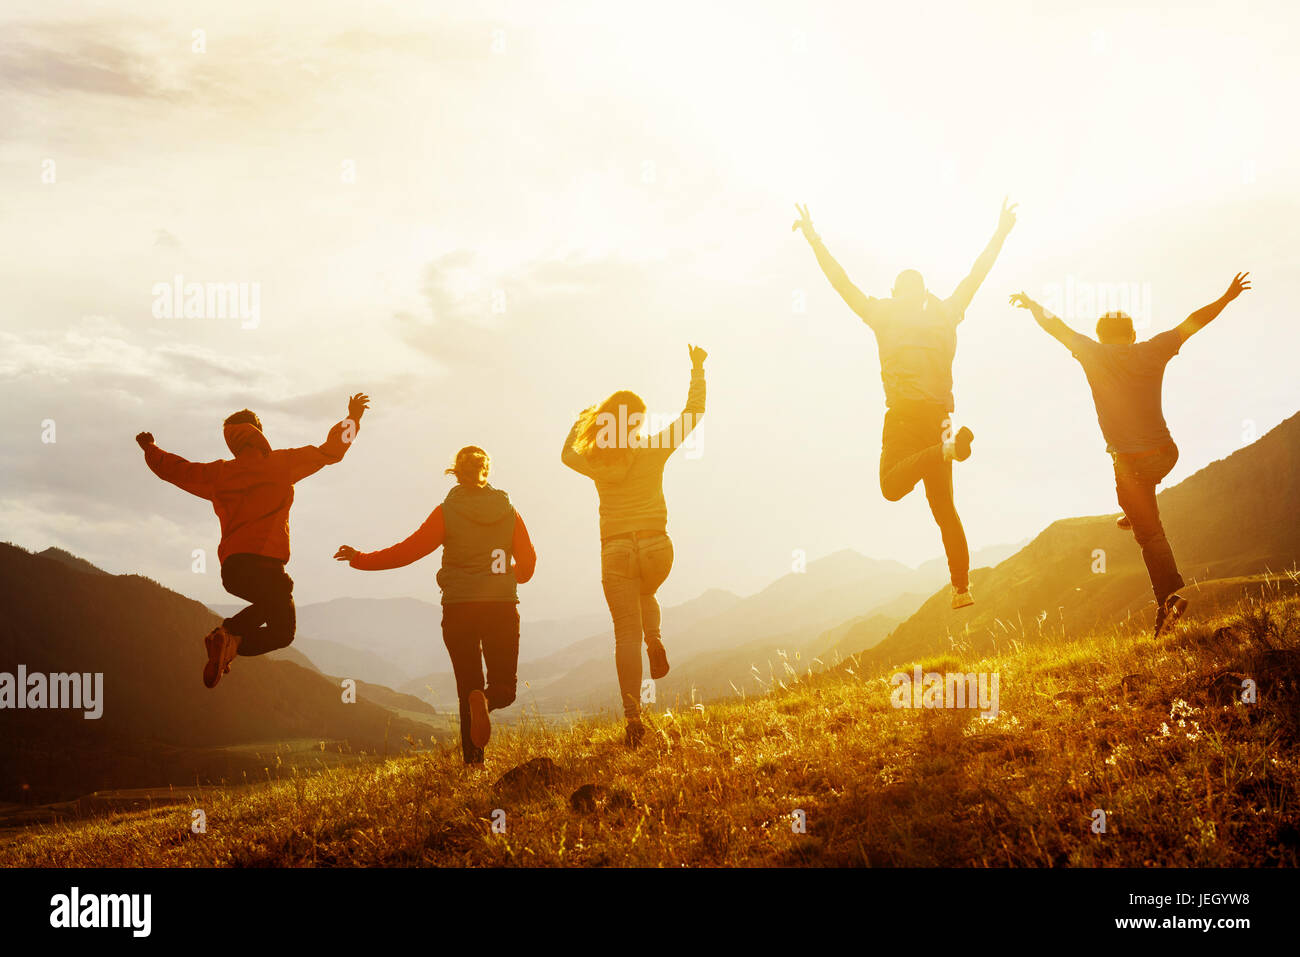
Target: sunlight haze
(540, 215)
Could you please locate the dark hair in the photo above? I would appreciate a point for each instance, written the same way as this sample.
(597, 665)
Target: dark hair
(1115, 327)
(244, 417)
(471, 466)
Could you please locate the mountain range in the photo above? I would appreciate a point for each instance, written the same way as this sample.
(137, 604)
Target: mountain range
(1231, 521)
(1232, 525)
(159, 724)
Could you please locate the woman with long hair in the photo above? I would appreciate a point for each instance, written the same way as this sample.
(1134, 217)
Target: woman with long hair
(486, 553)
(608, 444)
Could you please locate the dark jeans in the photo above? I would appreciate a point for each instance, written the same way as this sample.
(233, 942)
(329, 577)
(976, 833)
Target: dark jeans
(271, 620)
(1136, 478)
(912, 451)
(479, 633)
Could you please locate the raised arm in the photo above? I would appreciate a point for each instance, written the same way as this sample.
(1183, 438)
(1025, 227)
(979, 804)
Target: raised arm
(857, 300)
(965, 291)
(310, 459)
(1052, 325)
(1202, 317)
(668, 439)
(419, 543)
(197, 478)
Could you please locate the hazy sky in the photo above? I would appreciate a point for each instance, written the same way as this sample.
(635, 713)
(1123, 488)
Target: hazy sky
(490, 215)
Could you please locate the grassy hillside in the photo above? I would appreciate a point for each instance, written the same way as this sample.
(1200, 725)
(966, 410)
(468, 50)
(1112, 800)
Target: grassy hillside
(159, 724)
(1152, 732)
(1233, 518)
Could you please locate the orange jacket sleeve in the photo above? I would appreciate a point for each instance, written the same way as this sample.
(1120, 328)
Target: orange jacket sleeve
(197, 478)
(521, 547)
(421, 542)
(310, 459)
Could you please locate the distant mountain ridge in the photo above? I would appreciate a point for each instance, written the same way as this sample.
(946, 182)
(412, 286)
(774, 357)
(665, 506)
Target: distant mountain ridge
(1235, 517)
(159, 723)
(740, 644)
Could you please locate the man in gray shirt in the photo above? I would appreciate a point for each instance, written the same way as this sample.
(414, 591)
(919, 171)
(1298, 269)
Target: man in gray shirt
(1126, 376)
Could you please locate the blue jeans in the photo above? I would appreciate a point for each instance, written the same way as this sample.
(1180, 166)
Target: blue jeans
(1136, 478)
(631, 570)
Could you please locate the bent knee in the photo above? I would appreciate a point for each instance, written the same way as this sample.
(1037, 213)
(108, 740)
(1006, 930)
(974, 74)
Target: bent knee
(500, 697)
(893, 493)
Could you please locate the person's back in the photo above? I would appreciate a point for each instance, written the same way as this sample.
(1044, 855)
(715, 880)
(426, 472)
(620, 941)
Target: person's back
(606, 444)
(1126, 378)
(628, 467)
(479, 524)
(486, 554)
(916, 334)
(251, 495)
(917, 344)
(1126, 381)
(631, 491)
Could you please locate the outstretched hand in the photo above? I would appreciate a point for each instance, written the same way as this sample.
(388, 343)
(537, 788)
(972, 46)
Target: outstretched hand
(804, 222)
(357, 406)
(1023, 301)
(144, 440)
(346, 553)
(1007, 218)
(1240, 283)
(698, 356)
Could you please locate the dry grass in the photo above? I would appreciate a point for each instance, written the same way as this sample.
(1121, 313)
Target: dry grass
(1149, 731)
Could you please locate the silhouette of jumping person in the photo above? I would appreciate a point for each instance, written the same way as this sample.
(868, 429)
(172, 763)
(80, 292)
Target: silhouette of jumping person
(252, 494)
(608, 445)
(1126, 378)
(916, 333)
(486, 553)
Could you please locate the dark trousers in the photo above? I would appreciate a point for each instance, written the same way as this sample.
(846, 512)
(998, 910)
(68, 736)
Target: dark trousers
(479, 633)
(911, 451)
(1136, 478)
(271, 620)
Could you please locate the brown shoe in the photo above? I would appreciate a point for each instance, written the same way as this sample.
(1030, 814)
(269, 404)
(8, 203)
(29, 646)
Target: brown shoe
(635, 734)
(658, 656)
(1167, 615)
(222, 648)
(480, 727)
(1124, 523)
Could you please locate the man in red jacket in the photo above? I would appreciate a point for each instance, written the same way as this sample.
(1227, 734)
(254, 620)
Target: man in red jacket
(252, 494)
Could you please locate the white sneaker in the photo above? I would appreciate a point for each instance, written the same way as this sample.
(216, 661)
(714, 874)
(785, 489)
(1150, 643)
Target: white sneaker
(962, 599)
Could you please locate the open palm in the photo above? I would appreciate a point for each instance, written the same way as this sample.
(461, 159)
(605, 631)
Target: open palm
(1240, 283)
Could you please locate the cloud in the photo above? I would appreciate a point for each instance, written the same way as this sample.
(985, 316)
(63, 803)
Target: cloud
(47, 62)
(474, 316)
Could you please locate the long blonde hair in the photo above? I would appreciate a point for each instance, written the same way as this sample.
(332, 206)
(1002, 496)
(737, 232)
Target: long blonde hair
(617, 410)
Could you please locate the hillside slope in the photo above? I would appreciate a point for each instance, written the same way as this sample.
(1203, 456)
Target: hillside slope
(160, 724)
(1153, 733)
(1235, 517)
